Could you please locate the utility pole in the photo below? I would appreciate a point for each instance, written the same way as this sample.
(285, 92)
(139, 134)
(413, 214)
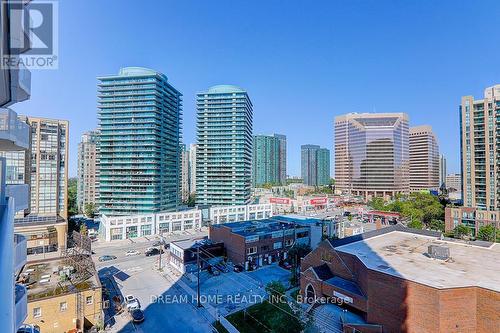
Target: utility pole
(198, 266)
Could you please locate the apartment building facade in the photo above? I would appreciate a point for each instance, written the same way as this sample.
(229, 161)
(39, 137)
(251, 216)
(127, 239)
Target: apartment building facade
(269, 160)
(88, 170)
(140, 133)
(225, 145)
(479, 149)
(315, 165)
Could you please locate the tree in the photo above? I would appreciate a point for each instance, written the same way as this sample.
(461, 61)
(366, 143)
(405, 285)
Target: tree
(437, 225)
(295, 254)
(89, 210)
(377, 203)
(72, 206)
(191, 200)
(486, 233)
(461, 231)
(415, 224)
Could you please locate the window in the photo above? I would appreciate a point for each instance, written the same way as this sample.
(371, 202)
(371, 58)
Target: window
(63, 306)
(252, 250)
(89, 300)
(37, 312)
(277, 245)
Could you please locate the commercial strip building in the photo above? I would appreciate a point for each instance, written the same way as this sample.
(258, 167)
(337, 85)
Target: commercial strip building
(372, 154)
(269, 160)
(479, 145)
(88, 170)
(114, 228)
(315, 165)
(184, 254)
(403, 280)
(225, 146)
(255, 243)
(424, 159)
(473, 218)
(139, 143)
(224, 214)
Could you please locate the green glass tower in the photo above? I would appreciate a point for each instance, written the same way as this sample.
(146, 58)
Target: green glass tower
(269, 160)
(315, 165)
(224, 153)
(140, 131)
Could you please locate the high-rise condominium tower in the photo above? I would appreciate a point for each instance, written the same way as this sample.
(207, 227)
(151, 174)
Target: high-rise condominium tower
(184, 173)
(315, 165)
(192, 167)
(269, 159)
(442, 171)
(372, 154)
(224, 154)
(139, 143)
(88, 170)
(479, 149)
(424, 159)
(49, 169)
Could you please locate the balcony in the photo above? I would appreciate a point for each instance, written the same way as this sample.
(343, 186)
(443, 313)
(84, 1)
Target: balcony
(20, 194)
(21, 301)
(20, 257)
(14, 133)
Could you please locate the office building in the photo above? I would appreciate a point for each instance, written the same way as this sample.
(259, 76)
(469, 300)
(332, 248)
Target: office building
(192, 167)
(478, 146)
(140, 132)
(225, 146)
(184, 173)
(442, 171)
(454, 182)
(315, 165)
(88, 171)
(269, 160)
(49, 171)
(372, 154)
(404, 280)
(424, 159)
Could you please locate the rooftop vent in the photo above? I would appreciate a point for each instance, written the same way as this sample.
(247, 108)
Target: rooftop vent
(438, 252)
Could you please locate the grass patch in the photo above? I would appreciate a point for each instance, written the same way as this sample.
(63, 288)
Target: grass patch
(218, 326)
(266, 317)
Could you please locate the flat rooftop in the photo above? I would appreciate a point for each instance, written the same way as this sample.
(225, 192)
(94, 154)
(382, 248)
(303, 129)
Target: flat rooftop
(189, 243)
(403, 254)
(48, 279)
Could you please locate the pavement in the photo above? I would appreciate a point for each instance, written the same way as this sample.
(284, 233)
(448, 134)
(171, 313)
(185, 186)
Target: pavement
(166, 306)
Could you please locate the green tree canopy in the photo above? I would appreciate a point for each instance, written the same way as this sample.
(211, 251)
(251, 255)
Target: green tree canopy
(486, 233)
(461, 231)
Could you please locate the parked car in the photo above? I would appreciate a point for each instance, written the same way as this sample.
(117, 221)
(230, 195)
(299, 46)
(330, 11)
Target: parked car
(221, 267)
(238, 268)
(152, 251)
(213, 270)
(167, 246)
(132, 253)
(157, 243)
(131, 303)
(106, 258)
(137, 316)
(286, 265)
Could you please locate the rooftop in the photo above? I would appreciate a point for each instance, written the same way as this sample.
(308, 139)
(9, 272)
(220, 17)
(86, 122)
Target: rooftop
(189, 243)
(224, 88)
(403, 254)
(255, 227)
(50, 279)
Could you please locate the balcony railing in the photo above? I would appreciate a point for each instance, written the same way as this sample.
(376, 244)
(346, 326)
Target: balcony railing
(14, 134)
(20, 257)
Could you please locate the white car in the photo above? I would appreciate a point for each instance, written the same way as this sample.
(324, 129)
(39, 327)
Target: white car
(132, 303)
(132, 253)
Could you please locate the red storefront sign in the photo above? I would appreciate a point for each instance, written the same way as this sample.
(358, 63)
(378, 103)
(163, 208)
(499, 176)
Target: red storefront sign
(318, 201)
(280, 201)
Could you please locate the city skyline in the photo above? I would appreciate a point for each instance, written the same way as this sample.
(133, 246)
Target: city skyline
(411, 69)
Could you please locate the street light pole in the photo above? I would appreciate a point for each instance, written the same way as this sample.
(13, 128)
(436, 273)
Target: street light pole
(198, 286)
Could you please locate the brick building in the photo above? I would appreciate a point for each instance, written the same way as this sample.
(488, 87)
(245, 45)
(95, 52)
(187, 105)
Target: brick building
(184, 253)
(255, 243)
(473, 218)
(392, 279)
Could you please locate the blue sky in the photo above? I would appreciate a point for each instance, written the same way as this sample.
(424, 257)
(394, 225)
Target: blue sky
(302, 62)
